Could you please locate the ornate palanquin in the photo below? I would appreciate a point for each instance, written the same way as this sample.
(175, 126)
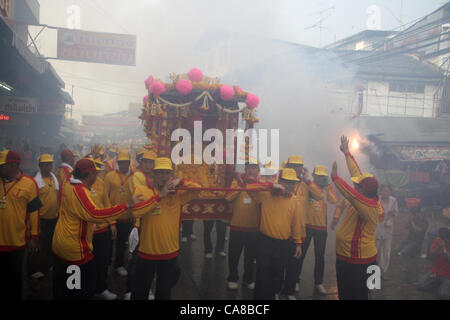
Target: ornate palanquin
(178, 104)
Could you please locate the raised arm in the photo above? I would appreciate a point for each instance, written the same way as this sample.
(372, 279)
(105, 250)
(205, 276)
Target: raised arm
(352, 165)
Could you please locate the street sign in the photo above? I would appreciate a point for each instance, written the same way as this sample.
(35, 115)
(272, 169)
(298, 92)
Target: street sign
(97, 47)
(18, 104)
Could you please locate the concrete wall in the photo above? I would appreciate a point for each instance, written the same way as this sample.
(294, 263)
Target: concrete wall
(379, 100)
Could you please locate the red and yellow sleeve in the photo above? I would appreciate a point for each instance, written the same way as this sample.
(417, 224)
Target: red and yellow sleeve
(352, 165)
(90, 212)
(142, 208)
(368, 209)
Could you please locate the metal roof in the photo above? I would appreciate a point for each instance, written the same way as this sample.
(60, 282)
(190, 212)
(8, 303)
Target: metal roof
(406, 130)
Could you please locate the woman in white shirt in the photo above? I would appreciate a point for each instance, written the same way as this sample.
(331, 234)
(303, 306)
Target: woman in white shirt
(385, 228)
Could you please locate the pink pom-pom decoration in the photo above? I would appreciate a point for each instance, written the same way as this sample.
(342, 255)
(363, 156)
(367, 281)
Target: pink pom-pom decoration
(238, 88)
(195, 75)
(184, 87)
(252, 101)
(148, 82)
(157, 88)
(226, 93)
(145, 99)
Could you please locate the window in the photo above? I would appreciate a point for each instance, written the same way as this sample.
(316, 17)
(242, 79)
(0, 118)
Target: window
(406, 87)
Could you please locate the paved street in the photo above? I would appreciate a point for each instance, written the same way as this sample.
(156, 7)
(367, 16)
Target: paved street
(205, 279)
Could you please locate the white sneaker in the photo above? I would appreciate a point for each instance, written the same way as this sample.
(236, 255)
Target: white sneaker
(232, 285)
(297, 287)
(321, 289)
(208, 255)
(291, 298)
(183, 239)
(151, 296)
(222, 253)
(122, 271)
(423, 255)
(251, 286)
(37, 275)
(127, 296)
(107, 295)
(277, 296)
(193, 236)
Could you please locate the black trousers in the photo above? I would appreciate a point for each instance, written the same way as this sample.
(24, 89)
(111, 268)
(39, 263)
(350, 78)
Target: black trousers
(273, 255)
(188, 228)
(131, 278)
(44, 259)
(352, 280)
(123, 232)
(221, 229)
(102, 252)
(11, 266)
(320, 242)
(62, 279)
(167, 275)
(242, 240)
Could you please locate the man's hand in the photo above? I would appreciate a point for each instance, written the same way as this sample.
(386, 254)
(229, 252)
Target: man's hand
(298, 251)
(344, 144)
(33, 246)
(334, 169)
(277, 186)
(135, 199)
(172, 184)
(113, 232)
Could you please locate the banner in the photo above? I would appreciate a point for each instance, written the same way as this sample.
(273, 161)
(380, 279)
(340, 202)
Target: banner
(108, 48)
(18, 104)
(410, 153)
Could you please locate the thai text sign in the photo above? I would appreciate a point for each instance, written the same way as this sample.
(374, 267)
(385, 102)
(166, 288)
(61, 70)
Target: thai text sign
(17, 104)
(108, 48)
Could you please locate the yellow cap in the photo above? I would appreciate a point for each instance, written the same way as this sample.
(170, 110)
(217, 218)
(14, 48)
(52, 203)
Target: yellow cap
(163, 164)
(140, 151)
(150, 155)
(320, 171)
(113, 149)
(46, 158)
(3, 155)
(361, 177)
(124, 155)
(252, 160)
(289, 174)
(99, 162)
(295, 159)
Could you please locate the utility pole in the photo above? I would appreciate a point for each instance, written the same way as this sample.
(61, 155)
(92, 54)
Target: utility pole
(71, 106)
(318, 24)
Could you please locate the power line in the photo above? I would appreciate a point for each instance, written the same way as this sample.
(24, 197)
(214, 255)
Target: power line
(399, 36)
(101, 80)
(108, 92)
(102, 12)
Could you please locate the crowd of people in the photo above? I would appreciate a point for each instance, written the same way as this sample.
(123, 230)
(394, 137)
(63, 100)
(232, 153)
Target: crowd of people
(65, 221)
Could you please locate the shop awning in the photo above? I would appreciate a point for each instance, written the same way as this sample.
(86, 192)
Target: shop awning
(430, 153)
